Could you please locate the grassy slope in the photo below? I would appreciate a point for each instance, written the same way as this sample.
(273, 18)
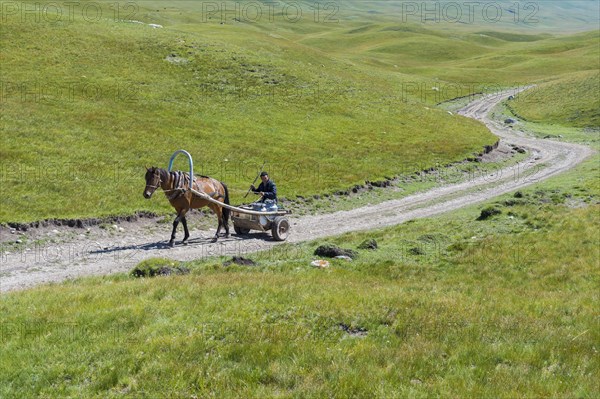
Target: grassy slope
(320, 126)
(450, 306)
(329, 105)
(571, 100)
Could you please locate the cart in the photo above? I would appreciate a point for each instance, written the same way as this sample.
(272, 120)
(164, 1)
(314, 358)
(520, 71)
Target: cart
(257, 216)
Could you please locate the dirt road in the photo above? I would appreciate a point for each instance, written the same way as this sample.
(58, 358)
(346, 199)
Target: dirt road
(92, 254)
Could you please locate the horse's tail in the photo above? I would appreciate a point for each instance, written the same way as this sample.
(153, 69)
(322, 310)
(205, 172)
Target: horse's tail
(226, 200)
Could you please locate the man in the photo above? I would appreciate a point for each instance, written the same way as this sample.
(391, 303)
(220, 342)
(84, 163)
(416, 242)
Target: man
(267, 189)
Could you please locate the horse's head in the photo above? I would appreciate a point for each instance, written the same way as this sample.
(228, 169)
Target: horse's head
(152, 181)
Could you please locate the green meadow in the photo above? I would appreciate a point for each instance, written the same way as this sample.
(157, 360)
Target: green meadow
(579, 104)
(86, 103)
(494, 300)
(445, 306)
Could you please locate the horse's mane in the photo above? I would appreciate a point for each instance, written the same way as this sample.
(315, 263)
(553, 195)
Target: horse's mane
(164, 175)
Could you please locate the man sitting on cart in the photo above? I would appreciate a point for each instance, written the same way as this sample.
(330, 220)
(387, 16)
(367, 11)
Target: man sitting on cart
(266, 189)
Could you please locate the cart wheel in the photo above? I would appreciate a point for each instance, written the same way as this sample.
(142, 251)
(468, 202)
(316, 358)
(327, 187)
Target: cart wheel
(280, 228)
(240, 230)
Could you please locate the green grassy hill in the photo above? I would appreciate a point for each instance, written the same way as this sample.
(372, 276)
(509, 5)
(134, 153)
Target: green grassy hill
(571, 100)
(87, 103)
(448, 306)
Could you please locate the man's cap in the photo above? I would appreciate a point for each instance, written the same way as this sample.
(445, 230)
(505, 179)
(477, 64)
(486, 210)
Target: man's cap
(263, 174)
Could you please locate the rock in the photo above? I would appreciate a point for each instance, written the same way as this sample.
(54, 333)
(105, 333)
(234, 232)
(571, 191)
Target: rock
(331, 251)
(174, 59)
(239, 260)
(121, 229)
(151, 271)
(114, 226)
(321, 264)
(359, 332)
(167, 271)
(18, 241)
(344, 257)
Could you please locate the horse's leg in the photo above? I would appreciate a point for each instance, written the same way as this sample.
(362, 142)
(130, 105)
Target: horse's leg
(175, 224)
(225, 213)
(226, 230)
(217, 211)
(180, 216)
(185, 229)
(223, 221)
(226, 224)
(220, 219)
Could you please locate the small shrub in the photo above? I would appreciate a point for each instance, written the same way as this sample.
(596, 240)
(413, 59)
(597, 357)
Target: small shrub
(331, 251)
(488, 212)
(416, 251)
(368, 244)
(458, 246)
(158, 267)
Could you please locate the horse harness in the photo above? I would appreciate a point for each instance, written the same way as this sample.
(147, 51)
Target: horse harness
(179, 186)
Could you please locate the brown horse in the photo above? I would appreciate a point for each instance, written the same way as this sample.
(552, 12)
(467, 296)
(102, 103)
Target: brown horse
(175, 185)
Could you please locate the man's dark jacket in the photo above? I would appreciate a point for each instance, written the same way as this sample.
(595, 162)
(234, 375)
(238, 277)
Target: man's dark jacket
(269, 189)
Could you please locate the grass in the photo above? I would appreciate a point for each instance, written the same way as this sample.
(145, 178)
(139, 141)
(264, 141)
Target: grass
(448, 305)
(231, 107)
(570, 101)
(328, 106)
(547, 130)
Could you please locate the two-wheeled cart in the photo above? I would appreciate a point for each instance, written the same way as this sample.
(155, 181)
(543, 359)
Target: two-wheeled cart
(256, 216)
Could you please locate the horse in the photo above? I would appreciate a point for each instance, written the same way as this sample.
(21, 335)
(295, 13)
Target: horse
(175, 184)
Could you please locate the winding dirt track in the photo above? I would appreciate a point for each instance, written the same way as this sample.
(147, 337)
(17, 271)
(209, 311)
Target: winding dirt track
(103, 255)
